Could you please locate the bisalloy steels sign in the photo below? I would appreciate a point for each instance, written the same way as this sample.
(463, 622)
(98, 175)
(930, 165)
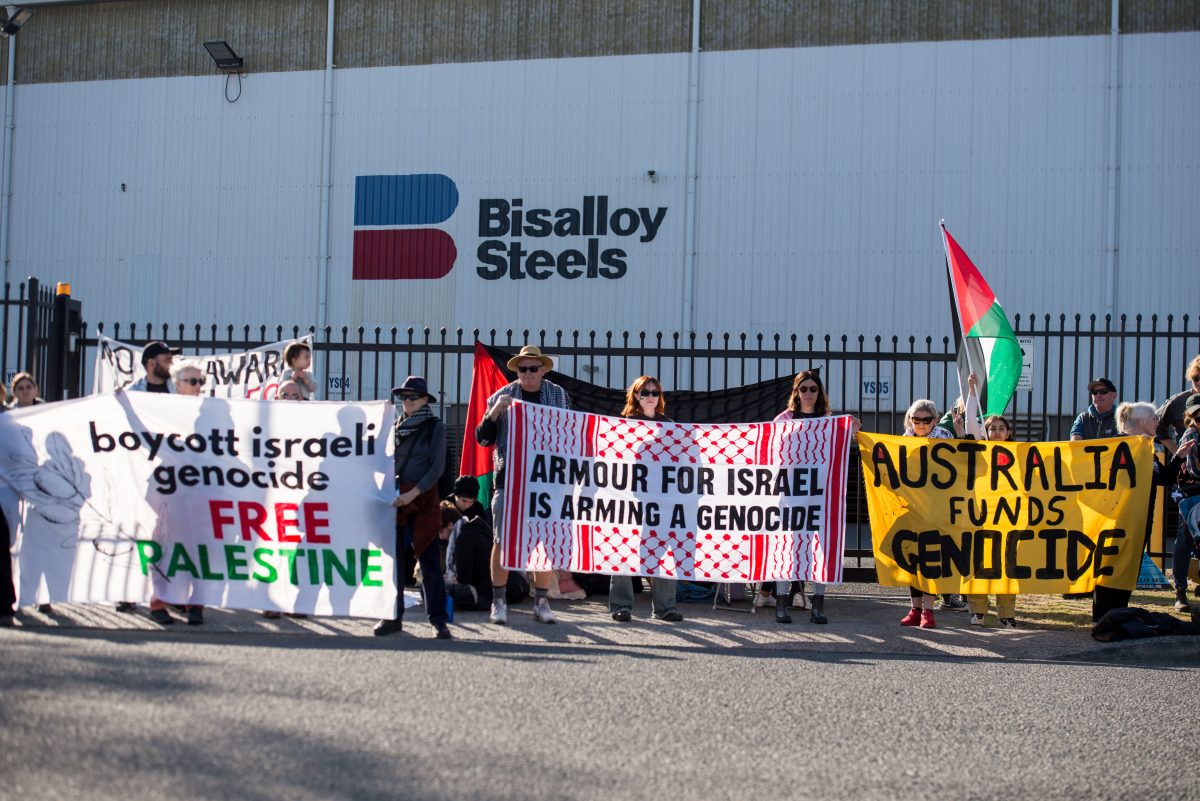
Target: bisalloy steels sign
(395, 237)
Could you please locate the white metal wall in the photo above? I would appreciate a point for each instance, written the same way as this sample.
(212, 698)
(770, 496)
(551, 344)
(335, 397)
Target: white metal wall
(827, 165)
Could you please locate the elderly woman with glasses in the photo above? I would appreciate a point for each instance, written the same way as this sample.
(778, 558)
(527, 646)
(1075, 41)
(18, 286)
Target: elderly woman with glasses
(644, 401)
(919, 421)
(188, 380)
(807, 401)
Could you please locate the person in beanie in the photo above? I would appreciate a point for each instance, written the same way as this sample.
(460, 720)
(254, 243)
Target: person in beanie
(420, 455)
(469, 548)
(531, 386)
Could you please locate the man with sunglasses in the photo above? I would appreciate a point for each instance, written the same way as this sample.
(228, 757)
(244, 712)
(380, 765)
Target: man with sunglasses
(531, 386)
(1099, 421)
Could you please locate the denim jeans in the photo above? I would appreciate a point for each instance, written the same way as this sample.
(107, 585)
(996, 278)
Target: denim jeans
(662, 594)
(433, 585)
(1182, 554)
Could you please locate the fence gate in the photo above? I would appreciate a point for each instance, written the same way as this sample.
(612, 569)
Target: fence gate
(42, 332)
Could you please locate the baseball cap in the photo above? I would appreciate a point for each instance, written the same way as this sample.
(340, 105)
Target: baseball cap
(158, 349)
(1101, 383)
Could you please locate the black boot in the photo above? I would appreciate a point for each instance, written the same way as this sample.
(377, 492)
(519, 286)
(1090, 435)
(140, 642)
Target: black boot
(781, 609)
(385, 627)
(1181, 601)
(817, 615)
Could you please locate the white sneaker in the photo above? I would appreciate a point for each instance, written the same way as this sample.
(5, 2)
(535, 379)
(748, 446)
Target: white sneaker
(542, 613)
(976, 620)
(800, 600)
(499, 614)
(761, 600)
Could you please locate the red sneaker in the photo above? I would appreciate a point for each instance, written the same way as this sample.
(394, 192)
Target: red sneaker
(927, 619)
(912, 618)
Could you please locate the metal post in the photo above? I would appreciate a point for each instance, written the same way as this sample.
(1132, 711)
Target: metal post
(10, 90)
(326, 176)
(1114, 158)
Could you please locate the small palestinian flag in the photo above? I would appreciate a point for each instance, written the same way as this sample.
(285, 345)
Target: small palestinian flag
(486, 377)
(985, 341)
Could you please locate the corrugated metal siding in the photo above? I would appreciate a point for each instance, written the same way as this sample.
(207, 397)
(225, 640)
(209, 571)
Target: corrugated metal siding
(757, 24)
(834, 165)
(828, 164)
(218, 218)
(153, 38)
(1159, 240)
(370, 33)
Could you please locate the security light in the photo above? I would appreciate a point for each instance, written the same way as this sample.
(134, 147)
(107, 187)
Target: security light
(14, 18)
(223, 55)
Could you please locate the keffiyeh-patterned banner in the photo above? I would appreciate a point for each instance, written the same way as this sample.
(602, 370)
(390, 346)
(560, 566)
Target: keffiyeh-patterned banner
(727, 503)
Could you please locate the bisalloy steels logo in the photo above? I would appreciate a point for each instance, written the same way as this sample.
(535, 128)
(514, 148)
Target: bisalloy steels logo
(386, 245)
(516, 239)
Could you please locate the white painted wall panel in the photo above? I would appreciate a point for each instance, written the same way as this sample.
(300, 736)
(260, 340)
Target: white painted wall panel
(823, 173)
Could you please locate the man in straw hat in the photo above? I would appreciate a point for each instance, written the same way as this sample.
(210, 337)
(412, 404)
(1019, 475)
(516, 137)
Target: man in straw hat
(531, 386)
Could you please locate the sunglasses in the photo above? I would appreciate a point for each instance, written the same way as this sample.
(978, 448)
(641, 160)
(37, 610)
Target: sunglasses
(808, 389)
(922, 420)
(195, 382)
(649, 393)
(1096, 392)
(409, 397)
(529, 368)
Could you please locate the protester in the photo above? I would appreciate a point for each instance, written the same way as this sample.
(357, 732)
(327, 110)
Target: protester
(1133, 420)
(919, 422)
(289, 391)
(24, 391)
(469, 549)
(997, 429)
(156, 360)
(1187, 495)
(531, 386)
(8, 500)
(644, 401)
(808, 400)
(298, 358)
(1171, 424)
(188, 380)
(1098, 421)
(420, 454)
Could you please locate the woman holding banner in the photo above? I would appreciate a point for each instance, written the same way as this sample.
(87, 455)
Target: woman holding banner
(1141, 419)
(919, 422)
(644, 401)
(420, 459)
(997, 429)
(807, 401)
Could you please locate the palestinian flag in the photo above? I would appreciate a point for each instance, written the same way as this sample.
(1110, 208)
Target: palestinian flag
(487, 376)
(985, 341)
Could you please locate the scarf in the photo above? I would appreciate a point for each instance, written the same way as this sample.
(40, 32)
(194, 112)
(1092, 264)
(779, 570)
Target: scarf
(407, 426)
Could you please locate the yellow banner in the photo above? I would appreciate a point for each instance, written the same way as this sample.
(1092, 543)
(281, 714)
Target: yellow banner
(1007, 517)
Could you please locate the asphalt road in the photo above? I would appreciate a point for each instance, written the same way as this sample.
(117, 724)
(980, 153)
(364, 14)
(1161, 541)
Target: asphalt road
(239, 712)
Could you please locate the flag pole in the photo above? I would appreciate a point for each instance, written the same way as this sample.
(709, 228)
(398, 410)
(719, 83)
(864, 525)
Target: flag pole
(956, 316)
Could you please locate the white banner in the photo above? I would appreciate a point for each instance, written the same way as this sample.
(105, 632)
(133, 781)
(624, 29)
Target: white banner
(727, 503)
(234, 503)
(245, 374)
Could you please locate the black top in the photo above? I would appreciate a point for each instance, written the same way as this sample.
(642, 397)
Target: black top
(158, 388)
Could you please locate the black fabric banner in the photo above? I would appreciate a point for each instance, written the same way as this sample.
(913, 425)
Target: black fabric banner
(749, 404)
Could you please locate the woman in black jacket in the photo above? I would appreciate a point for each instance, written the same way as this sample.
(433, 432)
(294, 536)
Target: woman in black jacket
(420, 438)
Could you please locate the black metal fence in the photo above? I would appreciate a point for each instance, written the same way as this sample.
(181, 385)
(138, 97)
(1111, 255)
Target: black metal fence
(875, 376)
